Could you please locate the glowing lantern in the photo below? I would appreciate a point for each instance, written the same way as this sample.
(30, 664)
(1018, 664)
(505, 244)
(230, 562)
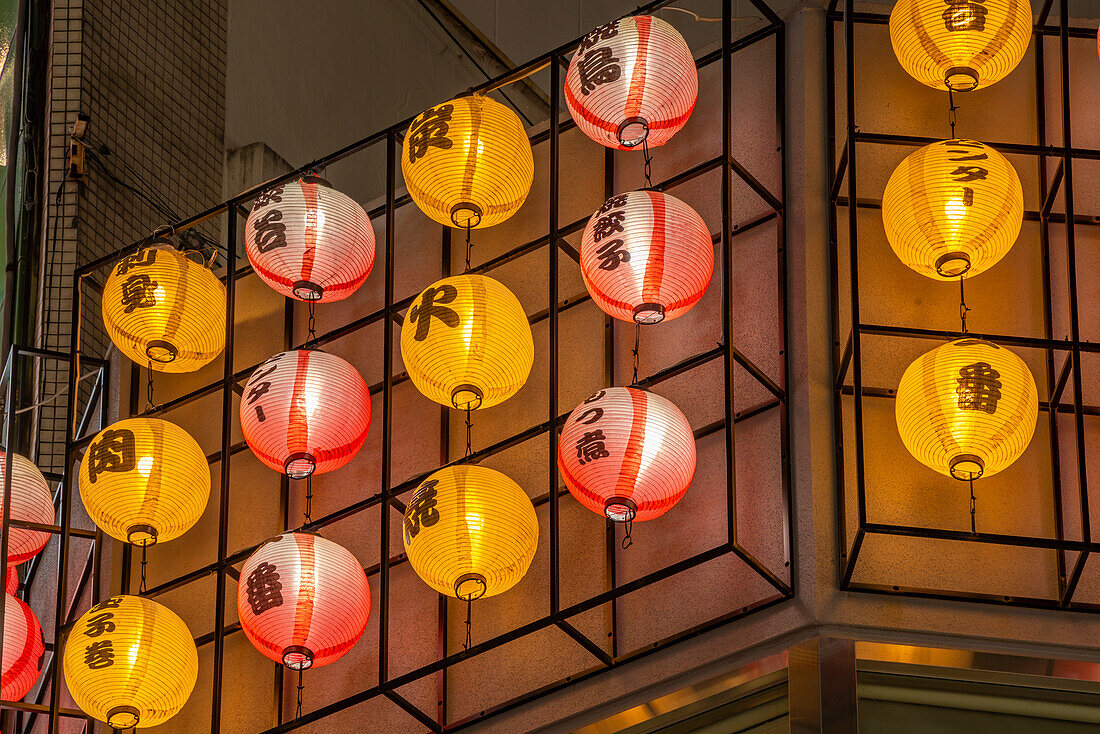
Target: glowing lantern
(23, 649)
(631, 81)
(967, 409)
(130, 662)
(31, 501)
(11, 580)
(646, 257)
(144, 481)
(468, 162)
(307, 240)
(466, 342)
(470, 532)
(163, 309)
(960, 44)
(305, 412)
(303, 601)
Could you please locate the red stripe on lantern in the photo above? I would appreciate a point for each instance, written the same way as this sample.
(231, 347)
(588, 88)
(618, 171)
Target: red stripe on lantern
(655, 263)
(23, 649)
(637, 75)
(309, 254)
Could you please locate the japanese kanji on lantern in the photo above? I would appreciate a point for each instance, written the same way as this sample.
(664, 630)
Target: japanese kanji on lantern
(308, 241)
(953, 208)
(631, 81)
(646, 257)
(130, 662)
(960, 44)
(23, 649)
(967, 408)
(31, 501)
(305, 412)
(303, 601)
(163, 309)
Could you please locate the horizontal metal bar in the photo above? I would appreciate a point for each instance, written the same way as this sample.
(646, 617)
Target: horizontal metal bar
(1019, 541)
(884, 19)
(1006, 339)
(1016, 148)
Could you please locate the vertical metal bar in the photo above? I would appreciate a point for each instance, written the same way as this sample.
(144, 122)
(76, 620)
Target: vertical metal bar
(387, 418)
(727, 268)
(822, 687)
(781, 245)
(284, 504)
(444, 459)
(609, 379)
(14, 372)
(552, 403)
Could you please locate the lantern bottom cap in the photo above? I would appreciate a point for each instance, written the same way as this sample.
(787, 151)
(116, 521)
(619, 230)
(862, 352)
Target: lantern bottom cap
(161, 351)
(123, 717)
(961, 79)
(632, 132)
(307, 291)
(297, 657)
(952, 264)
(467, 397)
(470, 586)
(141, 535)
(620, 509)
(966, 467)
(465, 215)
(300, 465)
(648, 313)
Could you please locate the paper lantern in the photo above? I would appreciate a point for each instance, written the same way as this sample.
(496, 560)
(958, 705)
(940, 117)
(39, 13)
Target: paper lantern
(31, 501)
(470, 532)
(466, 342)
(632, 80)
(165, 310)
(23, 649)
(627, 454)
(308, 241)
(304, 412)
(468, 162)
(960, 44)
(646, 257)
(303, 601)
(130, 662)
(11, 580)
(967, 409)
(144, 481)
(953, 208)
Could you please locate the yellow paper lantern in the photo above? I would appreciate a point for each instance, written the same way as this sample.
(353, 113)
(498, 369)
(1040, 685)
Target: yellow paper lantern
(953, 208)
(130, 662)
(165, 310)
(144, 481)
(967, 409)
(960, 44)
(470, 532)
(466, 342)
(468, 162)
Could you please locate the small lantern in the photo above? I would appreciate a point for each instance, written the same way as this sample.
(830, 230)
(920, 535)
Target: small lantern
(304, 412)
(467, 163)
(466, 342)
(31, 501)
(646, 257)
(303, 601)
(163, 309)
(144, 481)
(967, 409)
(632, 80)
(24, 647)
(130, 662)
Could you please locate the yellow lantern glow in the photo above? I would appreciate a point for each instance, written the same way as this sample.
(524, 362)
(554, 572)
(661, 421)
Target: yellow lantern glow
(953, 208)
(163, 309)
(960, 44)
(967, 409)
(130, 662)
(144, 481)
(468, 162)
(466, 342)
(470, 532)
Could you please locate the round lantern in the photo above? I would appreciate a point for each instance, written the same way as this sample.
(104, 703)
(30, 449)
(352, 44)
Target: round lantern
(308, 241)
(164, 309)
(130, 662)
(967, 409)
(467, 163)
(23, 649)
(960, 44)
(466, 342)
(11, 580)
(144, 481)
(470, 532)
(305, 412)
(646, 257)
(953, 208)
(31, 501)
(303, 601)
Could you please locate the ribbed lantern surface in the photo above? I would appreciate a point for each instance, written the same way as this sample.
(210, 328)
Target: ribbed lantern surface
(23, 649)
(163, 309)
(960, 44)
(626, 453)
(953, 208)
(303, 601)
(144, 481)
(632, 80)
(466, 342)
(11, 580)
(305, 412)
(130, 662)
(646, 257)
(32, 501)
(308, 241)
(468, 162)
(967, 409)
(470, 532)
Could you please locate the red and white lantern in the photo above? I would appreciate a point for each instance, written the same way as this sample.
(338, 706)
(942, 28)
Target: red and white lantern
(631, 81)
(305, 412)
(32, 501)
(11, 580)
(23, 649)
(646, 257)
(308, 241)
(303, 601)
